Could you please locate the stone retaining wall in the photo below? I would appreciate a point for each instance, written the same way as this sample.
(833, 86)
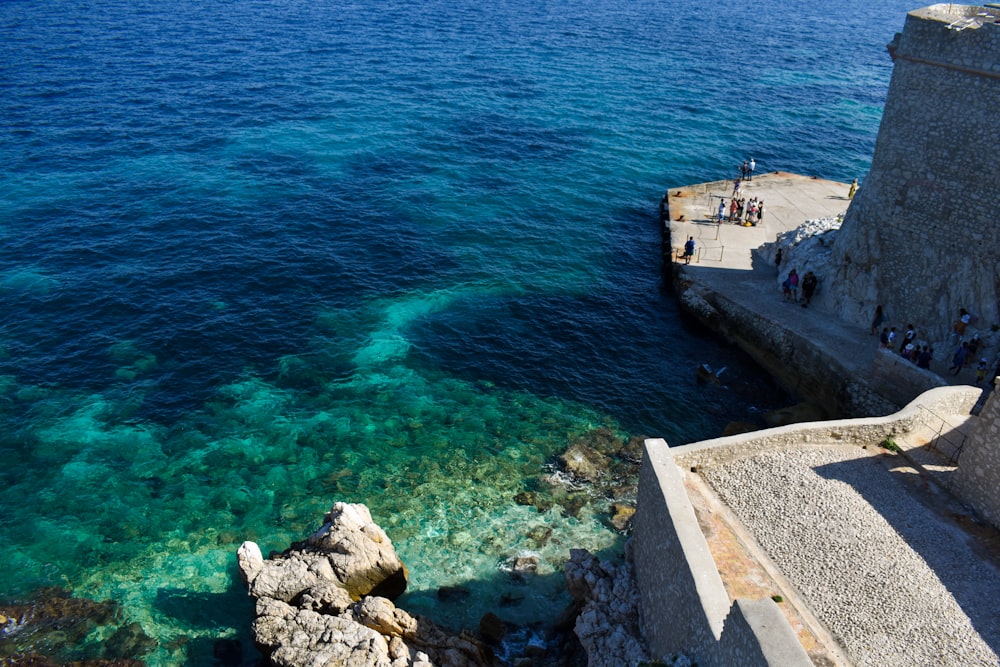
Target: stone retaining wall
(978, 476)
(794, 360)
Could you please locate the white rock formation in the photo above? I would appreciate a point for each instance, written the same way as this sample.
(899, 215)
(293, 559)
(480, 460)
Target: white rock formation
(608, 624)
(321, 602)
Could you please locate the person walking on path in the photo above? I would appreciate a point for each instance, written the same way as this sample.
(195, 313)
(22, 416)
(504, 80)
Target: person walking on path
(722, 209)
(981, 371)
(688, 250)
(809, 283)
(883, 338)
(924, 358)
(958, 328)
(777, 260)
(878, 319)
(958, 359)
(793, 283)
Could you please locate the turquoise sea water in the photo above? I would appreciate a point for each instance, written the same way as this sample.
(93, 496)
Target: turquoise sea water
(256, 257)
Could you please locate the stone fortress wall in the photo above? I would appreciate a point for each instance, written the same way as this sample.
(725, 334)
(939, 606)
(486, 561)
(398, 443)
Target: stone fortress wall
(922, 235)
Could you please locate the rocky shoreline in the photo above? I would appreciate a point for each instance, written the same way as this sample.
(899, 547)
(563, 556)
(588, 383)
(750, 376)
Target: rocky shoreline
(331, 596)
(329, 599)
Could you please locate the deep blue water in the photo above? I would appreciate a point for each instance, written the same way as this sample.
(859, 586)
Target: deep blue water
(261, 256)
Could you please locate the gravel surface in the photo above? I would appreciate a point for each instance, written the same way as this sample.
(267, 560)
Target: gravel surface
(894, 582)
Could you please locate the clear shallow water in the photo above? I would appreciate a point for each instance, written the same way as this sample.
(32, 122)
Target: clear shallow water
(257, 257)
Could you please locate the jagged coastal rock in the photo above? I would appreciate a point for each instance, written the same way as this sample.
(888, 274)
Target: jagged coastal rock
(808, 247)
(608, 621)
(327, 600)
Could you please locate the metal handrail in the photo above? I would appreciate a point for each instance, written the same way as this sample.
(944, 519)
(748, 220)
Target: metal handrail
(940, 435)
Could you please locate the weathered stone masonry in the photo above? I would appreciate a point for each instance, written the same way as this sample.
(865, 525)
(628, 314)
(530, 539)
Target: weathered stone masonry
(978, 475)
(922, 235)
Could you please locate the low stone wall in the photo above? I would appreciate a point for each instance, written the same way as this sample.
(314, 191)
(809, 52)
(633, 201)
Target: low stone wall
(674, 570)
(868, 431)
(685, 607)
(978, 476)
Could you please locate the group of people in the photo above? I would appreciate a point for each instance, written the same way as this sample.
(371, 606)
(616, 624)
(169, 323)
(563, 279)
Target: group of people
(791, 285)
(747, 168)
(966, 352)
(909, 349)
(746, 213)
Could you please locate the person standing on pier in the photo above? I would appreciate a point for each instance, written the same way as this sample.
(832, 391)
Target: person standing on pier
(854, 188)
(958, 359)
(688, 250)
(809, 283)
(750, 168)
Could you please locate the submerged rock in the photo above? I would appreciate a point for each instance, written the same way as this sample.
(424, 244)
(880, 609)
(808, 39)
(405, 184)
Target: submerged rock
(52, 624)
(327, 601)
(584, 463)
(621, 516)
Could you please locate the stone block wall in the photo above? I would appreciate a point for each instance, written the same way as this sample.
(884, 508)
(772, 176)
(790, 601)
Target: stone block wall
(921, 236)
(684, 603)
(793, 359)
(978, 476)
(899, 379)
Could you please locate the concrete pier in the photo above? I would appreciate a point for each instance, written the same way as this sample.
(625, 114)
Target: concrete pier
(789, 200)
(836, 365)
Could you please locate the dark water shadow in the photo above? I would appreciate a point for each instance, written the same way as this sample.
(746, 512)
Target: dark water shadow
(219, 614)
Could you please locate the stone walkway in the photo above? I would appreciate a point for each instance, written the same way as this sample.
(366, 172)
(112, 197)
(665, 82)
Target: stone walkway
(870, 559)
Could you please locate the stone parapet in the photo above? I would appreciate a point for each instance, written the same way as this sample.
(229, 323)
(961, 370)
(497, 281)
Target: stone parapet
(865, 431)
(685, 607)
(674, 570)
